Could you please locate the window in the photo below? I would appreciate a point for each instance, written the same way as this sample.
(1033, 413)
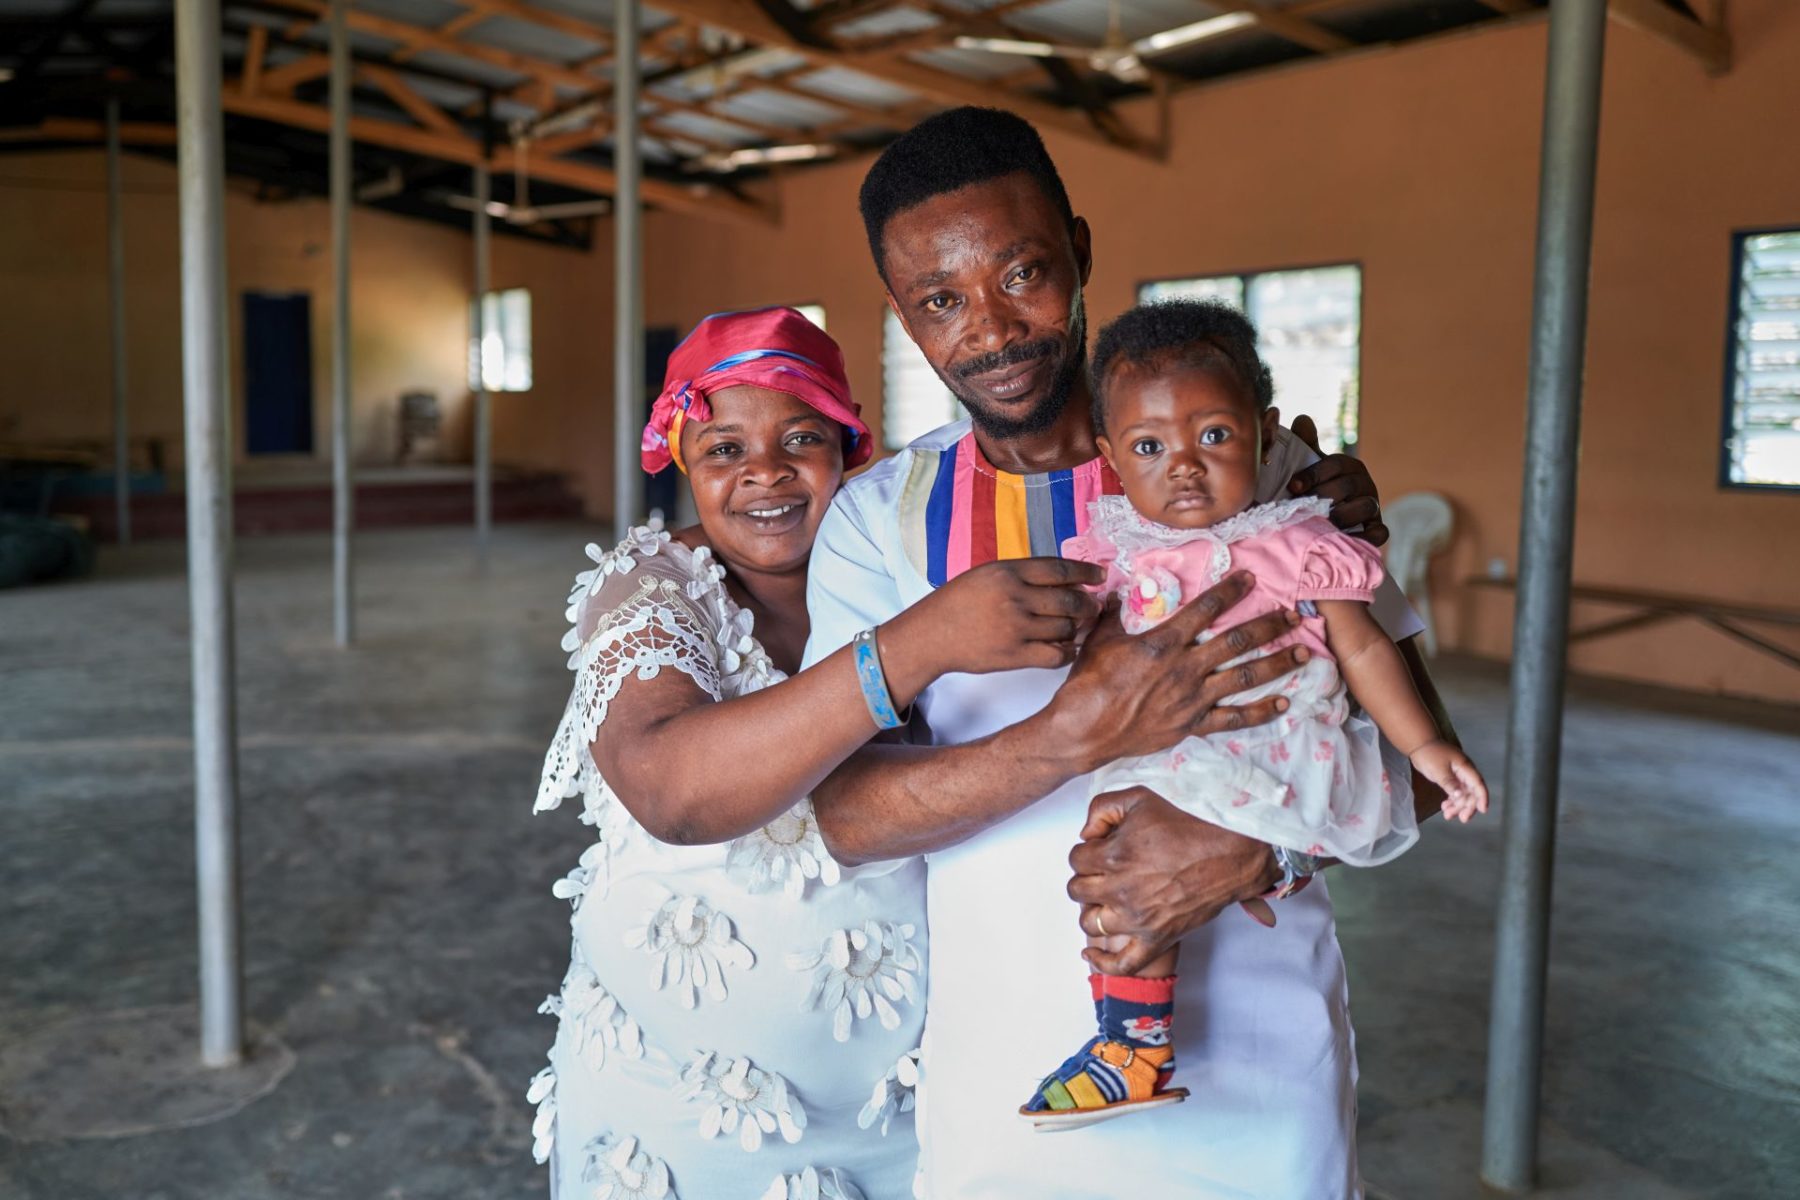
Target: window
(503, 363)
(1309, 326)
(914, 401)
(1762, 363)
(812, 312)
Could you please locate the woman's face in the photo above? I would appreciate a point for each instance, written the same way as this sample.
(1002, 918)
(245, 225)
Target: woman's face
(762, 470)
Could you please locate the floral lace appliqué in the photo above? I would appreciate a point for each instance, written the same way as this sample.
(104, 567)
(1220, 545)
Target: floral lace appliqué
(895, 1092)
(786, 853)
(542, 1093)
(861, 971)
(592, 1018)
(813, 1184)
(691, 943)
(739, 1098)
(619, 1169)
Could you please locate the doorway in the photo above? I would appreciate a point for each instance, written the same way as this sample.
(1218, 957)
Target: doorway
(278, 386)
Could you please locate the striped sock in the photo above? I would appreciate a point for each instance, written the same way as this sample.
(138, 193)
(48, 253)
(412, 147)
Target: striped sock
(1138, 1012)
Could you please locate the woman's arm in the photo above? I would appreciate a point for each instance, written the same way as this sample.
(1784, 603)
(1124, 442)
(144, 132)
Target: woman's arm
(694, 771)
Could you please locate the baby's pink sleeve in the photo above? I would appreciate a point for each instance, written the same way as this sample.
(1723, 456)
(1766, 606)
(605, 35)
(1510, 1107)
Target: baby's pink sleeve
(1337, 566)
(1097, 548)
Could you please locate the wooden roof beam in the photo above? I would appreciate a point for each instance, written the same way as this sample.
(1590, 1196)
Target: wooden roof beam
(459, 148)
(900, 118)
(417, 38)
(453, 28)
(951, 23)
(72, 129)
(254, 53)
(1709, 44)
(282, 80)
(414, 105)
(747, 20)
(1298, 30)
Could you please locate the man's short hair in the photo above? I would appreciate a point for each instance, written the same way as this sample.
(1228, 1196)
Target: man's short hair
(1206, 334)
(952, 150)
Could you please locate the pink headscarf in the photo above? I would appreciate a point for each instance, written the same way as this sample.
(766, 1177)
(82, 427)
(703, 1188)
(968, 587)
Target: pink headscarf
(774, 348)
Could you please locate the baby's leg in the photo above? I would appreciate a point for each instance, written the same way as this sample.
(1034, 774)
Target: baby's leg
(1129, 1063)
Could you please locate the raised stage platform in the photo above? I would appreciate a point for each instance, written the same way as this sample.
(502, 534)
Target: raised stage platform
(295, 497)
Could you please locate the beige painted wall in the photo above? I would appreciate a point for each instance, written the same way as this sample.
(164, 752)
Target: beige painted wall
(1420, 163)
(411, 281)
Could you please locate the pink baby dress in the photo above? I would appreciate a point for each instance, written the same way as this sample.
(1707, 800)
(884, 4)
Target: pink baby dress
(1311, 780)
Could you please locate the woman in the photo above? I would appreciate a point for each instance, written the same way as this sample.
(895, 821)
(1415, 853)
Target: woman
(739, 1012)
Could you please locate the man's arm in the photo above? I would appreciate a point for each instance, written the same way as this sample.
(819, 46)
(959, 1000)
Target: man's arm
(1125, 696)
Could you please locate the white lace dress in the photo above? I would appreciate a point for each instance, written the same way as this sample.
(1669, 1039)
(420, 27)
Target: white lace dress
(738, 1021)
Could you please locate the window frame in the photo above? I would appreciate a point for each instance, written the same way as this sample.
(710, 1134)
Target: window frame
(475, 356)
(957, 412)
(1354, 449)
(1728, 396)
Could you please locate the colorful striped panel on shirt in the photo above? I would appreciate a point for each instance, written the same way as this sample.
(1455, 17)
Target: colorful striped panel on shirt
(958, 511)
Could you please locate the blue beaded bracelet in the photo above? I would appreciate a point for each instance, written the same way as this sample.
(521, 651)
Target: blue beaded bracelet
(874, 682)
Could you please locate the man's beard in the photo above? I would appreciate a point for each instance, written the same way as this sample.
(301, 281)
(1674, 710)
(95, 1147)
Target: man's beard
(1044, 414)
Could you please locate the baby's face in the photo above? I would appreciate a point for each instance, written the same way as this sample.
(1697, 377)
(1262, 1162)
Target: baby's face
(1186, 442)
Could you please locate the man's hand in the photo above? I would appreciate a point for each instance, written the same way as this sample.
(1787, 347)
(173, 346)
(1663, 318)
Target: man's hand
(1130, 695)
(1150, 873)
(1344, 481)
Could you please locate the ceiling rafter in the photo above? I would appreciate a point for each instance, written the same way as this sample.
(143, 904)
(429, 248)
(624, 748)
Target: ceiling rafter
(951, 23)
(1295, 29)
(282, 80)
(74, 129)
(1710, 44)
(414, 105)
(899, 118)
(461, 148)
(255, 51)
(419, 38)
(747, 20)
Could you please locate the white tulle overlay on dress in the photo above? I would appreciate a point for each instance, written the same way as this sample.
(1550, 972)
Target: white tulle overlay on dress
(1312, 780)
(727, 1009)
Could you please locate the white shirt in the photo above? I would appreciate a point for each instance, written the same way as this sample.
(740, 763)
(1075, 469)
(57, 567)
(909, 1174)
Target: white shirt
(1263, 1038)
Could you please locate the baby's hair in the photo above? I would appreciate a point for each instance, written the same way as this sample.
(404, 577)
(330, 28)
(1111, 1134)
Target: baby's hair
(1206, 334)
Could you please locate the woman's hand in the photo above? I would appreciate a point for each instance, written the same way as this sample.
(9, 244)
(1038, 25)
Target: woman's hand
(1024, 612)
(1136, 695)
(1346, 482)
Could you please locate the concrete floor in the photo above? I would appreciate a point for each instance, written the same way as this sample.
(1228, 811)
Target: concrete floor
(399, 929)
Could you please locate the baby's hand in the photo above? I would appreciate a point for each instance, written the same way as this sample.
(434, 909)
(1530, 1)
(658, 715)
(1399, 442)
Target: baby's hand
(1465, 792)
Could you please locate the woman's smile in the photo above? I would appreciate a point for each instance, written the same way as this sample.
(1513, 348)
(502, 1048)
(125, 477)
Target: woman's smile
(775, 518)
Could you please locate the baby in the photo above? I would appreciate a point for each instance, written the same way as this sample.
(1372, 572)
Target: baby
(1182, 406)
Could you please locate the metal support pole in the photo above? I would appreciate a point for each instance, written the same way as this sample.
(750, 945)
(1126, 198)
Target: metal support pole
(115, 264)
(206, 400)
(628, 302)
(484, 486)
(1541, 626)
(343, 494)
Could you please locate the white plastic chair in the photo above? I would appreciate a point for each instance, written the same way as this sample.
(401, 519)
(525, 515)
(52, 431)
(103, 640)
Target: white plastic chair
(1419, 526)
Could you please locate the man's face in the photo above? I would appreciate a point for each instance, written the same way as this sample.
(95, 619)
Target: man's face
(987, 280)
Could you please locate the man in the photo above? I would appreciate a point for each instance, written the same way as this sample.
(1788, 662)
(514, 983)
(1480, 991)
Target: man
(984, 263)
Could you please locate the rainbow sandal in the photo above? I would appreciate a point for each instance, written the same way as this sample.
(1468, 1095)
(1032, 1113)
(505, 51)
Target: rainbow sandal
(1101, 1081)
